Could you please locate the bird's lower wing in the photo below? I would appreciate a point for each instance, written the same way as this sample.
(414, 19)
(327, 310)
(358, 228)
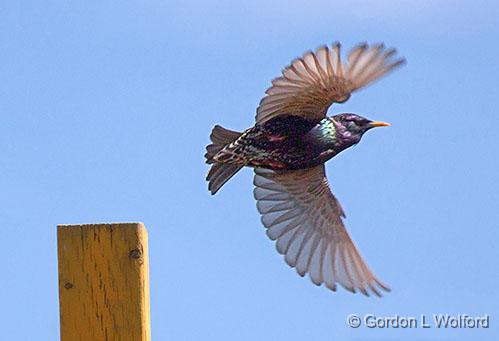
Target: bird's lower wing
(303, 216)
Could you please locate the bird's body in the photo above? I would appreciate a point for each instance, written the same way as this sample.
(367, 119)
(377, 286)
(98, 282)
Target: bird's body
(288, 147)
(286, 143)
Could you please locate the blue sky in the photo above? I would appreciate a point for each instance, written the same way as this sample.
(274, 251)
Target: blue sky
(106, 108)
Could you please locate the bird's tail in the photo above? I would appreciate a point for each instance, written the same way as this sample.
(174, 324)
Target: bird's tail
(220, 172)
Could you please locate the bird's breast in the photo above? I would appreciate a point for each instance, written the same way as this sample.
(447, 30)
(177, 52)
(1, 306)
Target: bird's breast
(289, 152)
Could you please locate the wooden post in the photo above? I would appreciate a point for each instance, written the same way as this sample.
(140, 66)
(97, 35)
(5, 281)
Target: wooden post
(103, 282)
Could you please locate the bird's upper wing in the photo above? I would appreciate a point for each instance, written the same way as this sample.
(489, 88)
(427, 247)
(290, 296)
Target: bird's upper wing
(300, 212)
(309, 85)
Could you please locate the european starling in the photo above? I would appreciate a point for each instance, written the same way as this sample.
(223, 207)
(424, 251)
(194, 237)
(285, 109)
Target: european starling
(288, 146)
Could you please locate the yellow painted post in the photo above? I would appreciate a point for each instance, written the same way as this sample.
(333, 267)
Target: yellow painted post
(103, 282)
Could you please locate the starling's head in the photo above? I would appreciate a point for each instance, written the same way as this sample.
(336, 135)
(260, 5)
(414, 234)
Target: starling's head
(351, 127)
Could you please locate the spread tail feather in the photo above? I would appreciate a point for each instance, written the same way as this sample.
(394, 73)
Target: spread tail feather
(220, 173)
(220, 138)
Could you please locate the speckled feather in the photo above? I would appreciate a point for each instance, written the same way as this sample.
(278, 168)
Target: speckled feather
(276, 146)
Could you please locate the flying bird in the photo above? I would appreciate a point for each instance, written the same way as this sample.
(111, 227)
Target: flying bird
(288, 147)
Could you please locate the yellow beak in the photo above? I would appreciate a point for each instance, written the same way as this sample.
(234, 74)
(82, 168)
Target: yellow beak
(379, 124)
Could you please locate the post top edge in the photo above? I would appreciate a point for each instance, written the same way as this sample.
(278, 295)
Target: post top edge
(115, 224)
